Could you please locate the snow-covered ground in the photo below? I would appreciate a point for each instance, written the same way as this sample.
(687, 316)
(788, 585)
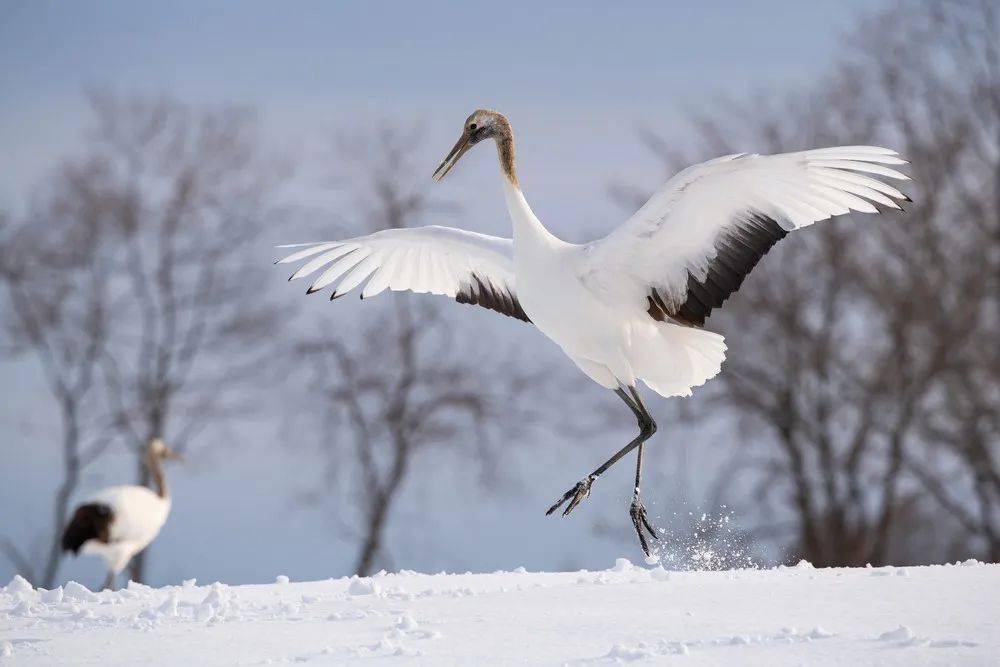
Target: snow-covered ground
(941, 615)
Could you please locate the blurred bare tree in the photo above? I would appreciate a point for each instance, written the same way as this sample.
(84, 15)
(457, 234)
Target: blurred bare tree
(398, 385)
(946, 110)
(141, 283)
(864, 360)
(185, 195)
(56, 283)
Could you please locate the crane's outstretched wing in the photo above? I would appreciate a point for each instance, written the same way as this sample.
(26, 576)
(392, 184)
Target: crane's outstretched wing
(469, 267)
(692, 244)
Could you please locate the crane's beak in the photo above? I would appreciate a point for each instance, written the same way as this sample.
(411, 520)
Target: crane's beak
(463, 144)
(174, 456)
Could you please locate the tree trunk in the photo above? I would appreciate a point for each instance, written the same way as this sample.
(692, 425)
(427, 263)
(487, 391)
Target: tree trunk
(71, 477)
(373, 536)
(383, 502)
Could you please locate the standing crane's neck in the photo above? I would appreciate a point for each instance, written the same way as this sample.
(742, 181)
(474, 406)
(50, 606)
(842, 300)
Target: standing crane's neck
(155, 466)
(528, 229)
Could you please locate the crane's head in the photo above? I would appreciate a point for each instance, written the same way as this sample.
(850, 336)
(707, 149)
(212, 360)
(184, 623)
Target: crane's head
(482, 124)
(159, 449)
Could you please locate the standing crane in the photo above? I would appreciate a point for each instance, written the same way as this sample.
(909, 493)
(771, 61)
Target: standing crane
(118, 522)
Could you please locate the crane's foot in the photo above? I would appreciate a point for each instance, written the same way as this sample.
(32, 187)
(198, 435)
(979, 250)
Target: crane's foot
(574, 495)
(638, 513)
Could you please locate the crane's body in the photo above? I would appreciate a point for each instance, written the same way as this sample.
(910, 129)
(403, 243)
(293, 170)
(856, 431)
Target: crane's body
(630, 307)
(136, 516)
(118, 522)
(613, 341)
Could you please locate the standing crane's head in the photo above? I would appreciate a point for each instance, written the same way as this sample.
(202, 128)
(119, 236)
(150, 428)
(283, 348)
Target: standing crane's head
(482, 124)
(158, 449)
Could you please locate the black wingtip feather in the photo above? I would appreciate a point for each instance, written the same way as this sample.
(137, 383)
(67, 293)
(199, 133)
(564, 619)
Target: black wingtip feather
(489, 296)
(737, 253)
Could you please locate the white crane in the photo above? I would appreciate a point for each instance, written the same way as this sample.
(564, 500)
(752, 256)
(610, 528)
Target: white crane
(628, 307)
(118, 522)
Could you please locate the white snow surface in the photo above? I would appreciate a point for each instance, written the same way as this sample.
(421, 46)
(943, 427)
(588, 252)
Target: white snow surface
(938, 615)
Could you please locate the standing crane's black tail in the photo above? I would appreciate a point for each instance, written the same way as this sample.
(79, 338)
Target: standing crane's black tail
(90, 522)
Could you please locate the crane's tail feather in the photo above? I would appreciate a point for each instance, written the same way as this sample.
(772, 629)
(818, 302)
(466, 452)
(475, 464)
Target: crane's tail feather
(91, 521)
(674, 359)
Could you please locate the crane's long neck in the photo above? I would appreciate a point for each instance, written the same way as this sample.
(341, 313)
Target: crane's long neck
(528, 229)
(154, 463)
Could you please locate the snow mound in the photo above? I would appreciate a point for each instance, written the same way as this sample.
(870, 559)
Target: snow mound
(363, 586)
(623, 565)
(902, 633)
(18, 585)
(50, 597)
(78, 592)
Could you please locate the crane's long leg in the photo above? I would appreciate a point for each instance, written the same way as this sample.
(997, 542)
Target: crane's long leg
(647, 427)
(109, 583)
(637, 510)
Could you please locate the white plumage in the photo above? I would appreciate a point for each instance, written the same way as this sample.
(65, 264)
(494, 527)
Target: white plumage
(139, 514)
(433, 259)
(677, 230)
(628, 307)
(118, 522)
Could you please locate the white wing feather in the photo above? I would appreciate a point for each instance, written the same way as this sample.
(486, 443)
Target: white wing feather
(438, 260)
(675, 236)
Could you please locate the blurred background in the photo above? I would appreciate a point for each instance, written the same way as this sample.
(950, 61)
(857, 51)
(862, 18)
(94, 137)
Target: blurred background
(154, 154)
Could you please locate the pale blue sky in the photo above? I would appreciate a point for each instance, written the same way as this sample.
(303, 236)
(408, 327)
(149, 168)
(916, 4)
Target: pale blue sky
(577, 80)
(582, 73)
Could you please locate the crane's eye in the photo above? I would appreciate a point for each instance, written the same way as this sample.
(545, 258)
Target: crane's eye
(472, 126)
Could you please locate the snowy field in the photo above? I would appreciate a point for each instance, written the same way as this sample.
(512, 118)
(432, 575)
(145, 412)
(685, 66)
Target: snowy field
(941, 615)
